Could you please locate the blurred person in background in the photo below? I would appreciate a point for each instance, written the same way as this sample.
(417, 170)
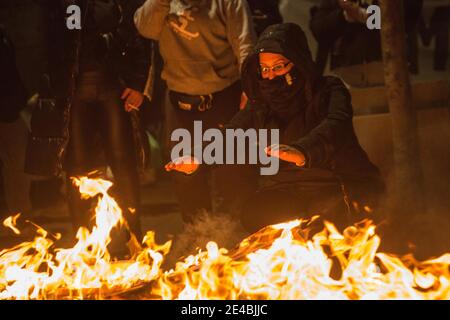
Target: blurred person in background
(339, 26)
(439, 29)
(265, 13)
(96, 80)
(13, 130)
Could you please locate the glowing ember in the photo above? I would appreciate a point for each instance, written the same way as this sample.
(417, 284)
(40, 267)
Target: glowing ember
(279, 262)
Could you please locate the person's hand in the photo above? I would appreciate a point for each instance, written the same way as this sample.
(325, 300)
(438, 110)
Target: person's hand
(286, 153)
(186, 164)
(353, 12)
(133, 99)
(244, 101)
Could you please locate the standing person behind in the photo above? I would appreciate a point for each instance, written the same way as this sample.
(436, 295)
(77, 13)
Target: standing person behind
(13, 130)
(440, 28)
(203, 44)
(340, 26)
(265, 13)
(97, 75)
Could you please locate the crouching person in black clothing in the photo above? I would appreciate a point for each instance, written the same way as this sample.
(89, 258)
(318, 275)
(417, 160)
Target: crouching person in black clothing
(324, 169)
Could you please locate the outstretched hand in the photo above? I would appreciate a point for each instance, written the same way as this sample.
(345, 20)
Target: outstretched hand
(186, 164)
(243, 102)
(286, 153)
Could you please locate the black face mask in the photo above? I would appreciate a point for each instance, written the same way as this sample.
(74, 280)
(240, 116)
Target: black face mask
(284, 93)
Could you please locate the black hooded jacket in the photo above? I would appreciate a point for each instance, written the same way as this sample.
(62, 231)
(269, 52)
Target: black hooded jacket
(320, 124)
(13, 94)
(108, 36)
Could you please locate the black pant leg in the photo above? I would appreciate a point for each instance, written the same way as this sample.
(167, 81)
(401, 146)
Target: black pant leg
(193, 191)
(80, 150)
(232, 183)
(118, 143)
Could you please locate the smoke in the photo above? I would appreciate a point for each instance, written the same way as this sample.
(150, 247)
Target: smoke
(222, 229)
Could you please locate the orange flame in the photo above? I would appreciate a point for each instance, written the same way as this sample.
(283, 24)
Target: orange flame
(279, 262)
(36, 270)
(11, 223)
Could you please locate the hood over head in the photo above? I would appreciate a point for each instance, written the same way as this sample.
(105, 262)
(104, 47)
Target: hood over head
(289, 40)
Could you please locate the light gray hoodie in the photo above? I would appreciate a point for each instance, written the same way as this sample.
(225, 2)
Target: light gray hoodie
(203, 48)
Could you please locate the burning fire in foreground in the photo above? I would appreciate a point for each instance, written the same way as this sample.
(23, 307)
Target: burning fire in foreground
(279, 262)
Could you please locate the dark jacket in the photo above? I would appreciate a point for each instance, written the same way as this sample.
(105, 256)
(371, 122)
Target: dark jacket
(125, 52)
(321, 127)
(353, 43)
(265, 13)
(115, 43)
(13, 95)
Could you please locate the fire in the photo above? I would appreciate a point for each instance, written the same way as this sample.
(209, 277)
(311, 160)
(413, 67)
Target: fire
(11, 223)
(37, 270)
(285, 261)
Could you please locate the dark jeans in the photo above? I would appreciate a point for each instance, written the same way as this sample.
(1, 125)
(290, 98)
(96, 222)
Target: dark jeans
(97, 110)
(194, 191)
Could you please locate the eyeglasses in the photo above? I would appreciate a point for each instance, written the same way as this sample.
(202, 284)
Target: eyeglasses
(277, 69)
